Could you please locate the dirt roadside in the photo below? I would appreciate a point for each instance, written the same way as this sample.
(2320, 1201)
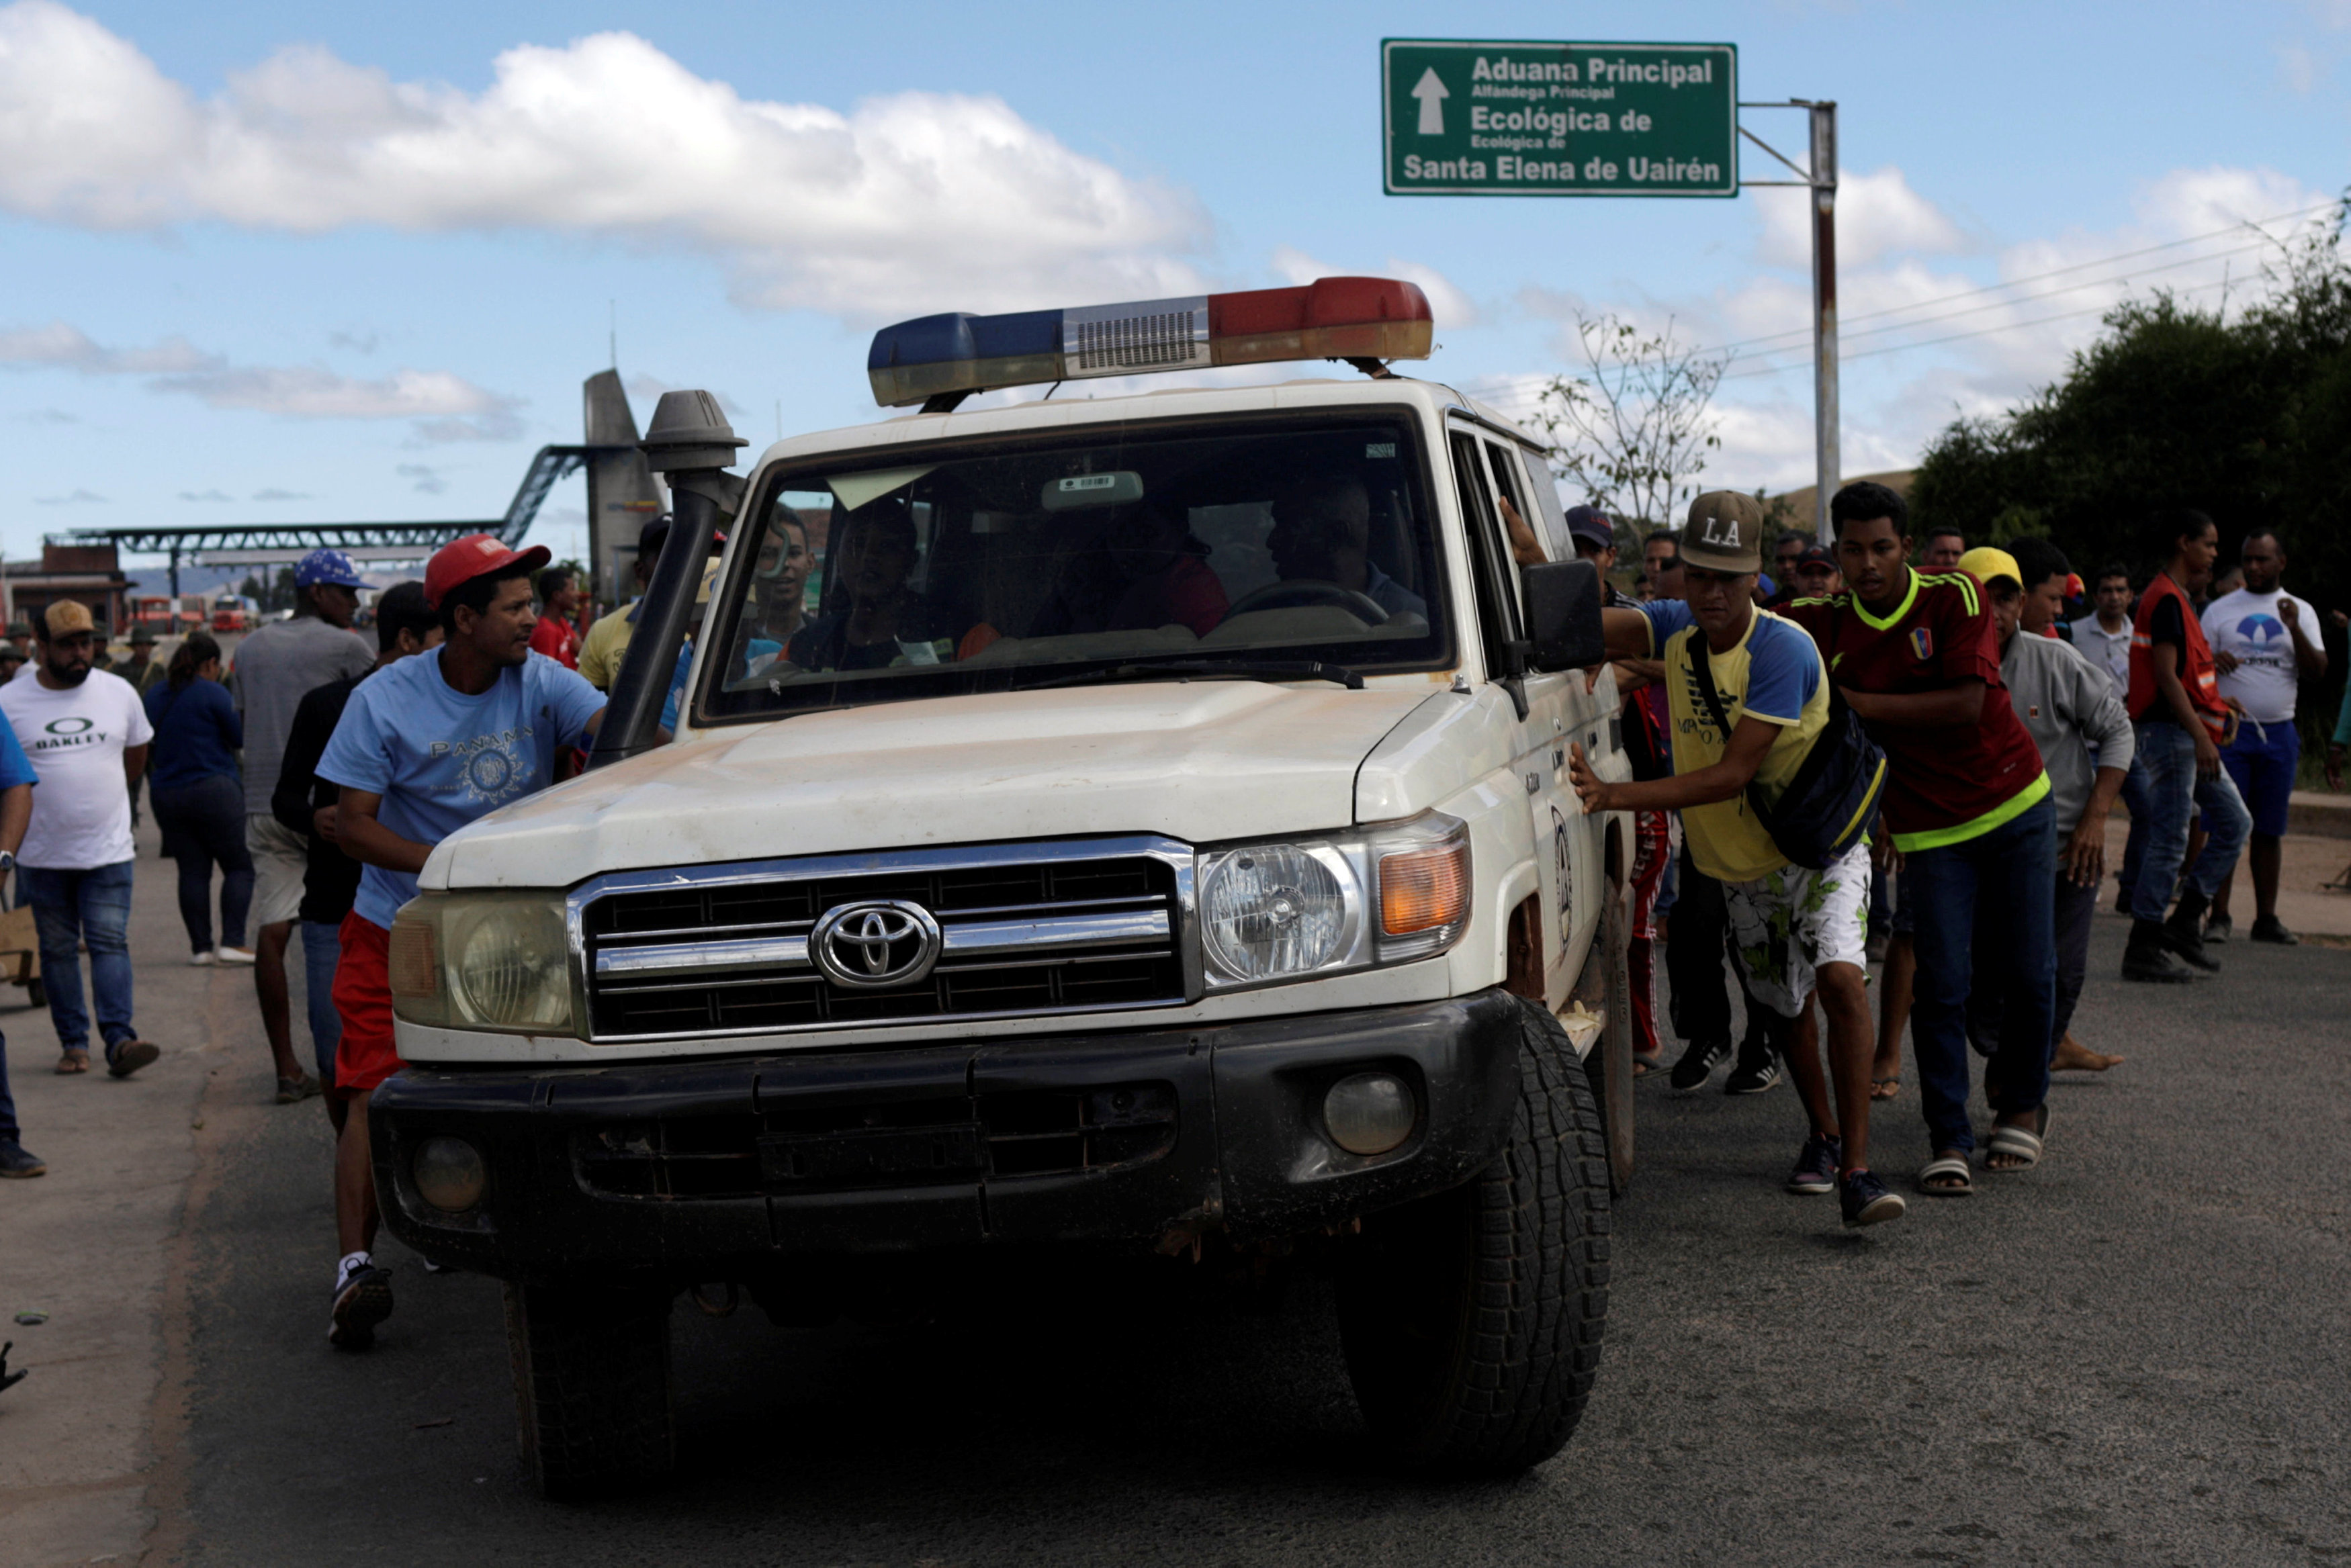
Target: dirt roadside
(100, 1244)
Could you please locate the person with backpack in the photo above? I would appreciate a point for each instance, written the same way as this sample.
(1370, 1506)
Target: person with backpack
(200, 802)
(1763, 756)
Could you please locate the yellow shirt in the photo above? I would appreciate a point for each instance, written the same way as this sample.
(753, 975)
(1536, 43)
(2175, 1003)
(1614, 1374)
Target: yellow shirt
(601, 650)
(1791, 688)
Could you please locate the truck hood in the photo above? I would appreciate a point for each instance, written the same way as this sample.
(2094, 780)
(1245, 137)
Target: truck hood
(1199, 761)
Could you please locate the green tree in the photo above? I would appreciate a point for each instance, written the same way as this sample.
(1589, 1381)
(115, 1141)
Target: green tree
(2245, 416)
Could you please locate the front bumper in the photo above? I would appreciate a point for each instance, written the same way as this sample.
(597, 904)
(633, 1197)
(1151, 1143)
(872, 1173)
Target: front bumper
(704, 1169)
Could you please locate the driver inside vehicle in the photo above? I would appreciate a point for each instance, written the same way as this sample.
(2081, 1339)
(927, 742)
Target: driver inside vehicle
(875, 619)
(1321, 533)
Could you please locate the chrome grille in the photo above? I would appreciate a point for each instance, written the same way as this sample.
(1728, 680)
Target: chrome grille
(1024, 929)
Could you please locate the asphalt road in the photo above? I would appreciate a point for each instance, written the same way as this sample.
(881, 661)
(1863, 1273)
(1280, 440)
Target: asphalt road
(2134, 1355)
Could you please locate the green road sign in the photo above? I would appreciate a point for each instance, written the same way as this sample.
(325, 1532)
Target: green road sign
(1471, 117)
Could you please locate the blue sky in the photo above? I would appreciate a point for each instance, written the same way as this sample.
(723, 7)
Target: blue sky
(262, 264)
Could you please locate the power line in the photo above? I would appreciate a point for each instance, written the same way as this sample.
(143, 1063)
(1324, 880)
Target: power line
(1531, 400)
(2044, 276)
(1956, 337)
(2131, 276)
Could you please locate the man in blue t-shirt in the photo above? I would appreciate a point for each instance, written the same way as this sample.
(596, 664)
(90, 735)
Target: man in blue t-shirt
(424, 747)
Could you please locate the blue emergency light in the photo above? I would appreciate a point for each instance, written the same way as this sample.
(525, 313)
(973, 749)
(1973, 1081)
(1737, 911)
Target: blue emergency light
(942, 358)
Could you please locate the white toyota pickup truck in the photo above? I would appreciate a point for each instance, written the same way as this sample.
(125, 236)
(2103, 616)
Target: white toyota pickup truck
(1147, 830)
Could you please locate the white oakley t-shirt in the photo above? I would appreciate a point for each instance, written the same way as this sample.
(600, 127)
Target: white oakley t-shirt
(75, 740)
(2252, 626)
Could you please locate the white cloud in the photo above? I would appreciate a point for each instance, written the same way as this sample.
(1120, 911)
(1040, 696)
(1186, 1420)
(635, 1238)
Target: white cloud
(274, 494)
(446, 407)
(649, 388)
(76, 498)
(909, 201)
(1450, 307)
(427, 479)
(204, 495)
(58, 347)
(1877, 214)
(48, 417)
(2298, 69)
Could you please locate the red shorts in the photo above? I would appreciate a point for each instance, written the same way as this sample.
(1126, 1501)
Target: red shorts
(363, 997)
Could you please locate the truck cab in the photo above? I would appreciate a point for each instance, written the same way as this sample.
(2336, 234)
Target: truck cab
(1135, 824)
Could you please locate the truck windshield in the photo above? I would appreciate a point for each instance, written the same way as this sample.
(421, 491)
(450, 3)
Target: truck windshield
(1004, 566)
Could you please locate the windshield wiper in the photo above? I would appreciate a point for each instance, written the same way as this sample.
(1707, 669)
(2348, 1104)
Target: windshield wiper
(1239, 668)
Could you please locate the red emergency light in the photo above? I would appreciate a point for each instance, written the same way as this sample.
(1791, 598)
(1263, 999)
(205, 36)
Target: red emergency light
(945, 358)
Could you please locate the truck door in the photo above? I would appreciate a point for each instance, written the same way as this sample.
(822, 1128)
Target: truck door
(1539, 743)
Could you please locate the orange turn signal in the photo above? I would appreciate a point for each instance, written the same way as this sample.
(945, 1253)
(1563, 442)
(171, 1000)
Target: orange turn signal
(414, 967)
(1422, 889)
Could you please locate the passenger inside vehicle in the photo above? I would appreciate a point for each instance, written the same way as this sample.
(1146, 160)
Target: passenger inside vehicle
(875, 618)
(1322, 537)
(1143, 569)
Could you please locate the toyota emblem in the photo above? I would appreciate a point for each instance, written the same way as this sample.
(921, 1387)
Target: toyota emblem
(874, 943)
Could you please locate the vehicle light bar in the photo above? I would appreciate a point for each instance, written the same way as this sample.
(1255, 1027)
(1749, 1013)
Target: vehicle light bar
(1331, 318)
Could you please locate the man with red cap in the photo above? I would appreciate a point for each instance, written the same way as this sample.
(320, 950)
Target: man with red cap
(424, 747)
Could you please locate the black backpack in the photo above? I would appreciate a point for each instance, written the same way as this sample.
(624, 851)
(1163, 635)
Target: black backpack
(1830, 803)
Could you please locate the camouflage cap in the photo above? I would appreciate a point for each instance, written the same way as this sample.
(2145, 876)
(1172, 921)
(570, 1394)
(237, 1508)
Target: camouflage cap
(1725, 533)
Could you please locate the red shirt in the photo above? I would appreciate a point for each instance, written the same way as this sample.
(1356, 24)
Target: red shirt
(557, 639)
(1944, 785)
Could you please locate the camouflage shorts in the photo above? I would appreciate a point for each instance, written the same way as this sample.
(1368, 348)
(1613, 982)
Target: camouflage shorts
(1785, 926)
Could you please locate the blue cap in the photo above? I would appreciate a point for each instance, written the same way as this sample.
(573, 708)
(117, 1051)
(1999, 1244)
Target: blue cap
(328, 566)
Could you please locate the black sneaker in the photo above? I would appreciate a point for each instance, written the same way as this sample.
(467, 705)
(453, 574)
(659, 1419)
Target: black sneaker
(1867, 1200)
(2270, 928)
(15, 1160)
(1699, 1063)
(1816, 1169)
(1755, 1073)
(2217, 930)
(363, 1301)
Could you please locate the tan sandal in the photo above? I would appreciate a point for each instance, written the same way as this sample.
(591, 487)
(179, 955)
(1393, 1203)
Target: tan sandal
(72, 1061)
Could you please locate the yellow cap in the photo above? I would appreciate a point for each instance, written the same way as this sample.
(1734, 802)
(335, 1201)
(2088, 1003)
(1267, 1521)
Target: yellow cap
(1984, 563)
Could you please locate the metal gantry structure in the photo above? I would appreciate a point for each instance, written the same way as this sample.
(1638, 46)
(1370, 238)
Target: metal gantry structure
(246, 543)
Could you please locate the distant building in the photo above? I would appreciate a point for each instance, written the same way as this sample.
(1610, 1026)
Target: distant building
(89, 573)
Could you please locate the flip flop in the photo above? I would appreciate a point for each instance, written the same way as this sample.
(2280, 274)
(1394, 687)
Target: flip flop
(1645, 1066)
(2019, 1145)
(72, 1061)
(1885, 1088)
(1949, 1165)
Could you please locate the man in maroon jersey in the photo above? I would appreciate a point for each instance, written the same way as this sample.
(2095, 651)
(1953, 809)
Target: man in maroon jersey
(1967, 808)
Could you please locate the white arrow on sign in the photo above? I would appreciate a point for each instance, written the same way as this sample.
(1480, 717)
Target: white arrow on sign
(1431, 95)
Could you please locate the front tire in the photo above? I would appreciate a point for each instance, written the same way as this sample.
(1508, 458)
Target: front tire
(1472, 1320)
(592, 1372)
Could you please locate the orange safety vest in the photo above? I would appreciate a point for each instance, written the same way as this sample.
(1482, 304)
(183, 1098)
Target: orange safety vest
(2197, 673)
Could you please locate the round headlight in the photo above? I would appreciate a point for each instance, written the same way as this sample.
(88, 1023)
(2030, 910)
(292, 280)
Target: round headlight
(1370, 1113)
(508, 967)
(449, 1174)
(1273, 910)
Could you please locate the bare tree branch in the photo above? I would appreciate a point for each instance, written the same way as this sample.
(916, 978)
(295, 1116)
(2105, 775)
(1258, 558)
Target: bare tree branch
(1632, 429)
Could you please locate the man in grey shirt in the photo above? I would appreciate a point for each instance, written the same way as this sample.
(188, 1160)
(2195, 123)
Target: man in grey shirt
(276, 667)
(2076, 718)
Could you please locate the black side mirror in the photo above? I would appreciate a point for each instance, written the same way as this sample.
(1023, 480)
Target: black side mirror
(1563, 615)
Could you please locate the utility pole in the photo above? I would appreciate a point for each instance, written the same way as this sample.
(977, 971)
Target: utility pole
(1820, 179)
(1824, 310)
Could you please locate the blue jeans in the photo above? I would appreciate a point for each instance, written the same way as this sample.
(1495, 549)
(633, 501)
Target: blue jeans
(2175, 794)
(70, 907)
(8, 1100)
(322, 948)
(2010, 873)
(2138, 800)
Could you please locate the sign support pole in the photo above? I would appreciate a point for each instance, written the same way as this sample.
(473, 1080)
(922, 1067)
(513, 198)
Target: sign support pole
(1824, 311)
